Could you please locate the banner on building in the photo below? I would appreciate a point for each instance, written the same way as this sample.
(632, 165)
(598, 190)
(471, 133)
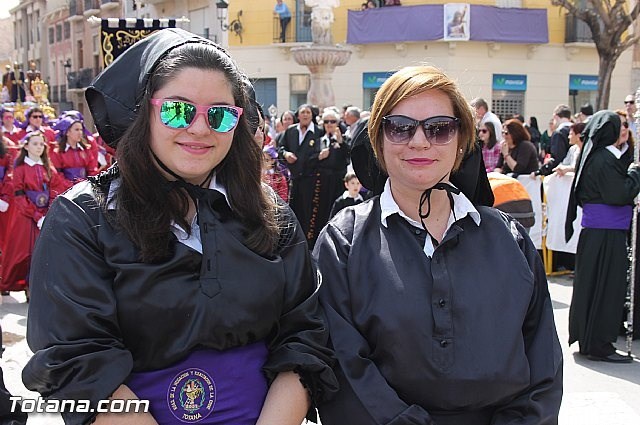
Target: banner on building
(117, 35)
(456, 21)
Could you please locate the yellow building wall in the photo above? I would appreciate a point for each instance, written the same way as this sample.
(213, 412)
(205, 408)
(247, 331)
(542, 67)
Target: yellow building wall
(258, 19)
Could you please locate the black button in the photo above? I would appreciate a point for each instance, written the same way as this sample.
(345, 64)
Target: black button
(442, 303)
(443, 343)
(418, 231)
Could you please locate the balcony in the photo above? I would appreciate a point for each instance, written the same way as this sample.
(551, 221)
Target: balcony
(298, 30)
(80, 79)
(91, 7)
(426, 22)
(75, 10)
(576, 31)
(106, 5)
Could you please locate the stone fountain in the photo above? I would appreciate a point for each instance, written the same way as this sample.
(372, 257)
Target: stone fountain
(322, 56)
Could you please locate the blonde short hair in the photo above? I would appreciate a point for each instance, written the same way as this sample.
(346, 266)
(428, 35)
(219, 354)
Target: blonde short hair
(411, 81)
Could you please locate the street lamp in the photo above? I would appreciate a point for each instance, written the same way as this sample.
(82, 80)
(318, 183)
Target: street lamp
(222, 7)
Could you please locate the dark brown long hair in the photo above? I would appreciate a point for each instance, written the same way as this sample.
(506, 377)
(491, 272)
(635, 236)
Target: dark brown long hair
(145, 209)
(45, 154)
(62, 144)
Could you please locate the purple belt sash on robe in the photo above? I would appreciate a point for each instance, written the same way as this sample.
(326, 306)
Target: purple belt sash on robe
(74, 173)
(207, 387)
(602, 216)
(40, 199)
(2, 171)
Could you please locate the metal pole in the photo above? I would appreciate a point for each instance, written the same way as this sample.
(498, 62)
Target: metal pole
(634, 234)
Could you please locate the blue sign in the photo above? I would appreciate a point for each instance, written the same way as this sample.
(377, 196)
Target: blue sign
(374, 80)
(583, 82)
(510, 82)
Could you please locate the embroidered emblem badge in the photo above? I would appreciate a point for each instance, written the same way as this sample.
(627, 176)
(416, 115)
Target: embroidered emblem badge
(192, 395)
(42, 200)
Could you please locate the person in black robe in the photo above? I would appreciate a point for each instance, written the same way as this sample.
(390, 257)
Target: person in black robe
(300, 147)
(177, 271)
(332, 167)
(438, 309)
(604, 187)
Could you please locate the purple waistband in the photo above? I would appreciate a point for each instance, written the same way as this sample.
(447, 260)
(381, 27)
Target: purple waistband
(207, 387)
(74, 173)
(2, 171)
(602, 216)
(40, 199)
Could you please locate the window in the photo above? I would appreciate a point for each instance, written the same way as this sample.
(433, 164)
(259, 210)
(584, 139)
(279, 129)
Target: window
(58, 32)
(67, 30)
(51, 35)
(298, 87)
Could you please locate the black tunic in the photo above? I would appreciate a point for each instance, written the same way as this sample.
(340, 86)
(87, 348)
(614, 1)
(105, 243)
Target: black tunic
(466, 337)
(600, 281)
(304, 177)
(97, 314)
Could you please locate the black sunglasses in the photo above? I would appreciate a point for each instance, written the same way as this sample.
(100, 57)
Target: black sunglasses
(629, 102)
(483, 130)
(330, 121)
(625, 124)
(439, 130)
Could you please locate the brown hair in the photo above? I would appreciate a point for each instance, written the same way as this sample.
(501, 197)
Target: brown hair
(411, 81)
(45, 154)
(517, 130)
(144, 208)
(62, 144)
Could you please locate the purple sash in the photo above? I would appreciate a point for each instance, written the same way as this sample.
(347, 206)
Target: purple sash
(207, 387)
(602, 216)
(2, 171)
(40, 199)
(74, 173)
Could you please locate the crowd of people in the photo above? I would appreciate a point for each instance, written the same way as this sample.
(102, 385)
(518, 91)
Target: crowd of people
(40, 158)
(332, 259)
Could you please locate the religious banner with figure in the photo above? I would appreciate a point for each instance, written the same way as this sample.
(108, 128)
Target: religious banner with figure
(456, 21)
(117, 35)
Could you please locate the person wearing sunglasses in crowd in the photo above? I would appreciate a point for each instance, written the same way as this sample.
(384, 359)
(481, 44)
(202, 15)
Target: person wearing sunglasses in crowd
(332, 166)
(35, 121)
(605, 187)
(518, 154)
(438, 310)
(177, 276)
(490, 145)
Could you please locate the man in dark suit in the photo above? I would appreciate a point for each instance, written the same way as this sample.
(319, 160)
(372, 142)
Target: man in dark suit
(299, 146)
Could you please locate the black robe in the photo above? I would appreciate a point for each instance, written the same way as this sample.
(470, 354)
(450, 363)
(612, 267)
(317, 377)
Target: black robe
(466, 337)
(600, 282)
(97, 314)
(304, 178)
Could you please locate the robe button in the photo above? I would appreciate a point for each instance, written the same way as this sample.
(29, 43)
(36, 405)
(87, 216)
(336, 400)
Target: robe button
(442, 303)
(417, 231)
(444, 343)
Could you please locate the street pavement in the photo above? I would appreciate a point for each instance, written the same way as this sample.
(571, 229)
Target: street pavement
(595, 393)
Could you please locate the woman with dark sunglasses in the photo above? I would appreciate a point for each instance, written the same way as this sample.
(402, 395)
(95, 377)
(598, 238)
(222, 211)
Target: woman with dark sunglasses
(438, 309)
(177, 276)
(519, 155)
(332, 166)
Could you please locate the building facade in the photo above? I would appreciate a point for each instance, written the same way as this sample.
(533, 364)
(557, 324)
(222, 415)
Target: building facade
(524, 56)
(526, 61)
